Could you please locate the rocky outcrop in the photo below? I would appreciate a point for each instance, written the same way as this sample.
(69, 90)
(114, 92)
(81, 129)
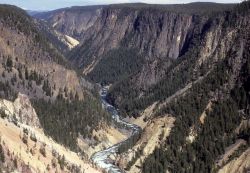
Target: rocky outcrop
(154, 133)
(240, 164)
(24, 111)
(20, 111)
(28, 149)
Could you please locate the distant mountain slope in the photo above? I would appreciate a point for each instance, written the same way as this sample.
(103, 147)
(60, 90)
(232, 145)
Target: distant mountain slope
(72, 21)
(100, 29)
(157, 32)
(57, 39)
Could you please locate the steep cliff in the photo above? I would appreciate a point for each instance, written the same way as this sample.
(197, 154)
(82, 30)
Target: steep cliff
(155, 31)
(160, 78)
(20, 111)
(73, 21)
(210, 111)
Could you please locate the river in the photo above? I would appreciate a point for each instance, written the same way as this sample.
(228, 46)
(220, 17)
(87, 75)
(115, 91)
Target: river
(101, 158)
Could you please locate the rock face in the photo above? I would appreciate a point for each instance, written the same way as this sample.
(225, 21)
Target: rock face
(155, 131)
(240, 164)
(155, 32)
(20, 111)
(24, 111)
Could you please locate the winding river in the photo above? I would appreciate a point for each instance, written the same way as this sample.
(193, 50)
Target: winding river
(101, 158)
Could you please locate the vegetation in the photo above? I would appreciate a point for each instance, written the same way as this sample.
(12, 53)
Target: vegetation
(116, 65)
(2, 156)
(42, 150)
(191, 8)
(33, 137)
(6, 91)
(65, 117)
(61, 161)
(218, 131)
(19, 20)
(25, 138)
(212, 137)
(176, 77)
(132, 100)
(65, 120)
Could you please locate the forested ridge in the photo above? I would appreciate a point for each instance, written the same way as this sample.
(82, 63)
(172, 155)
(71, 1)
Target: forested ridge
(180, 73)
(19, 20)
(218, 132)
(196, 8)
(66, 120)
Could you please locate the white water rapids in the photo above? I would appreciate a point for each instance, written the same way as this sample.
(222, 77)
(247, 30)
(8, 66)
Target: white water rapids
(101, 158)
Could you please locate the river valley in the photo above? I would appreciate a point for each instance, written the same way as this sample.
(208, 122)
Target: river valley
(102, 158)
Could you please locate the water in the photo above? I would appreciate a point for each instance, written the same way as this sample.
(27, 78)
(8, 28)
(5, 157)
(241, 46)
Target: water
(101, 158)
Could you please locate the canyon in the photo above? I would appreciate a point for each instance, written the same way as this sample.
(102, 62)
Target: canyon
(134, 88)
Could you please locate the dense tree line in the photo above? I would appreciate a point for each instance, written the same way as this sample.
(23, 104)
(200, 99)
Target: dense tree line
(196, 8)
(212, 137)
(6, 92)
(65, 120)
(116, 65)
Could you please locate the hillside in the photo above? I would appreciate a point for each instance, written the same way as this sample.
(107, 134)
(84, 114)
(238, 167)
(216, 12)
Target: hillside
(37, 77)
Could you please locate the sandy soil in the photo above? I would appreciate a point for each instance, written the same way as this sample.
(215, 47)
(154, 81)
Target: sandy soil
(153, 131)
(239, 165)
(204, 115)
(146, 114)
(230, 150)
(71, 42)
(107, 137)
(11, 136)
